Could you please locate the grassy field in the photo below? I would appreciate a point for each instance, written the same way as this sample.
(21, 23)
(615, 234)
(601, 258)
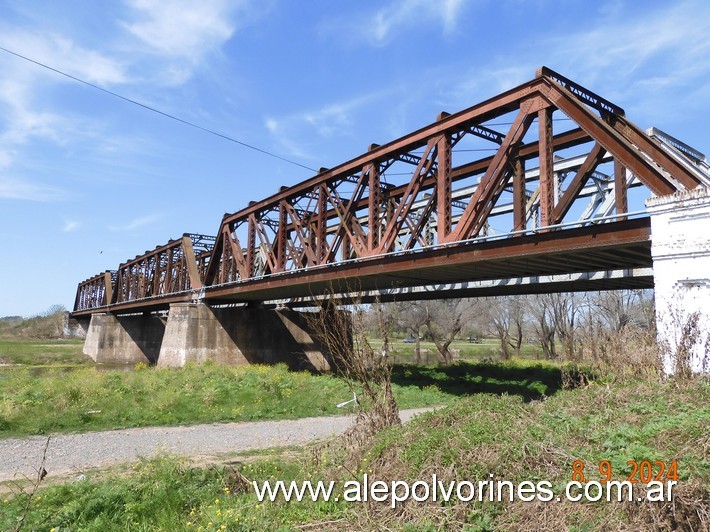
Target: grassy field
(508, 435)
(488, 349)
(514, 420)
(80, 399)
(52, 387)
(32, 352)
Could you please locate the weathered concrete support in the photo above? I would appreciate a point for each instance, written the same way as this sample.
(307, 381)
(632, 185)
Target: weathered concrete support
(197, 333)
(73, 327)
(124, 339)
(680, 232)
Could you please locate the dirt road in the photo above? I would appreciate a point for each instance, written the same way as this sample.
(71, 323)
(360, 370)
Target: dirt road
(75, 453)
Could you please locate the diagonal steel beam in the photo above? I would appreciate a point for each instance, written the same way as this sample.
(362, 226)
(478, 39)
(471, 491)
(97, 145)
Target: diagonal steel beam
(409, 196)
(492, 182)
(580, 179)
(610, 139)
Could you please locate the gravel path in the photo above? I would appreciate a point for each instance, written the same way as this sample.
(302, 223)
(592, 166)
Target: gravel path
(74, 453)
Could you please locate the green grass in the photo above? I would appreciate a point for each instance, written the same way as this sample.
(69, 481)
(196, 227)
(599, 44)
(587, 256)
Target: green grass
(633, 420)
(81, 399)
(33, 352)
(157, 495)
(484, 433)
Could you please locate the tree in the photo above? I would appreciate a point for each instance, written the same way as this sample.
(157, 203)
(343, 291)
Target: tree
(444, 320)
(411, 317)
(565, 309)
(48, 324)
(507, 316)
(540, 308)
(619, 308)
(367, 370)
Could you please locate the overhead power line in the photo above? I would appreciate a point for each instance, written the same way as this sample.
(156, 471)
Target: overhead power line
(158, 111)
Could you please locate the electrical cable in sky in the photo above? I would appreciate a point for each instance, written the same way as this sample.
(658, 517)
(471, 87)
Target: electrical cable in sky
(153, 109)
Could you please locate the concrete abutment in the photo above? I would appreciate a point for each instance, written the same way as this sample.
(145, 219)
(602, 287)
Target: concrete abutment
(196, 333)
(680, 247)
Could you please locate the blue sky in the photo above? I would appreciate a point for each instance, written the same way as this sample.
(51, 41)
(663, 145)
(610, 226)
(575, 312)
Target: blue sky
(88, 181)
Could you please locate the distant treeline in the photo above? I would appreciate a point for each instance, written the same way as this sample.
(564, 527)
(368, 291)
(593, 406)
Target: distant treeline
(48, 324)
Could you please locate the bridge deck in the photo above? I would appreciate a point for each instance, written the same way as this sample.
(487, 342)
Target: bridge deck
(622, 245)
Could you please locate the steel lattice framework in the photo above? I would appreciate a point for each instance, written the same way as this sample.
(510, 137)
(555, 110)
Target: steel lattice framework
(559, 165)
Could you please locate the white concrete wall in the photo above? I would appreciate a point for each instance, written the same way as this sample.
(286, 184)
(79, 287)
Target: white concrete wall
(680, 233)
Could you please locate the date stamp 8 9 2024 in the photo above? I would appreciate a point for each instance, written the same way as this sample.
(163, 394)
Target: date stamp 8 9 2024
(644, 472)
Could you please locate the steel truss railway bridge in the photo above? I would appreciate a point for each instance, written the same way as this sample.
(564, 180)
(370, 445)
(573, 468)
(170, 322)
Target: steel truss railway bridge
(526, 192)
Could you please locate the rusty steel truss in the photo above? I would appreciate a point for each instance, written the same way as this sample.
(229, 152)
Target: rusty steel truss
(535, 167)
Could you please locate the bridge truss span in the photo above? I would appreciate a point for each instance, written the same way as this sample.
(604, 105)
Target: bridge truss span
(535, 181)
(177, 267)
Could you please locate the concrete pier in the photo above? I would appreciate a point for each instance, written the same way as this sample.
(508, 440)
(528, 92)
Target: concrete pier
(196, 333)
(680, 232)
(74, 328)
(124, 339)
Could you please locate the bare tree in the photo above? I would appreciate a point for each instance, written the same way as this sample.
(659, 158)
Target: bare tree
(48, 324)
(540, 309)
(411, 317)
(444, 320)
(367, 370)
(506, 318)
(565, 311)
(618, 308)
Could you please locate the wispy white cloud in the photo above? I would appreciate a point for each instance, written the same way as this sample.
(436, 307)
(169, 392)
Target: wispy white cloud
(6, 158)
(19, 189)
(70, 226)
(154, 42)
(182, 32)
(654, 65)
(62, 53)
(136, 223)
(462, 90)
(387, 22)
(662, 40)
(25, 114)
(181, 28)
(644, 61)
(326, 122)
(282, 130)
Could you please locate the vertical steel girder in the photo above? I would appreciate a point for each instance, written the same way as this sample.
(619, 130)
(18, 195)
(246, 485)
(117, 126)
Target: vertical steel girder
(352, 211)
(519, 195)
(374, 202)
(547, 180)
(443, 188)
(620, 188)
